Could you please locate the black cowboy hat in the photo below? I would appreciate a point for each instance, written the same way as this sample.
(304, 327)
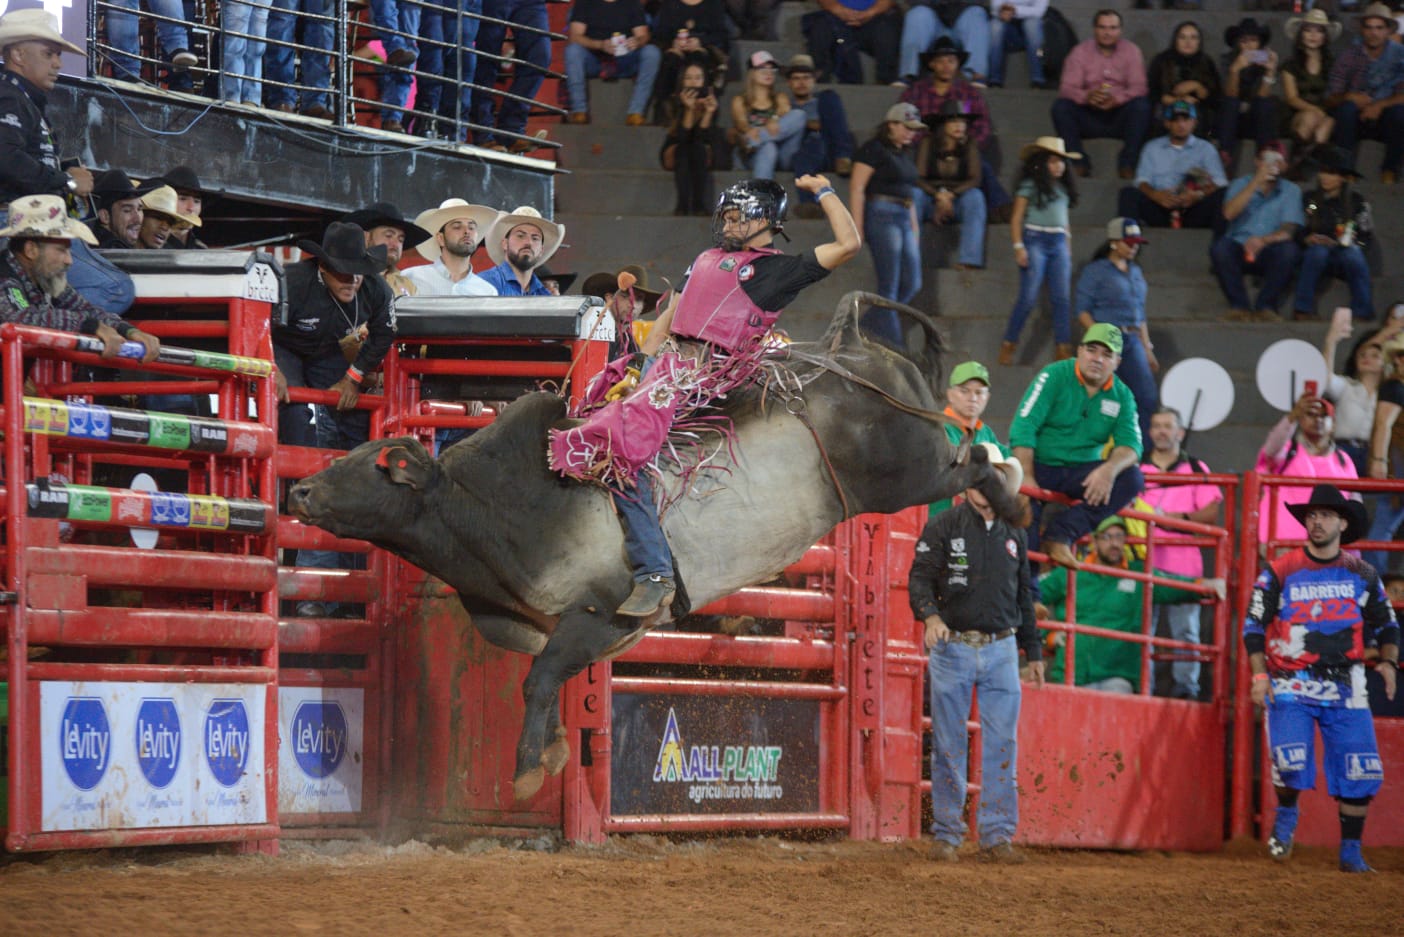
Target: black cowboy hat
(944, 45)
(1335, 160)
(383, 214)
(1247, 26)
(114, 185)
(563, 280)
(1330, 498)
(183, 179)
(951, 109)
(597, 284)
(343, 250)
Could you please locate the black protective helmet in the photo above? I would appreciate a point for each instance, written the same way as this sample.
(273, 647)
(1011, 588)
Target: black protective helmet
(754, 198)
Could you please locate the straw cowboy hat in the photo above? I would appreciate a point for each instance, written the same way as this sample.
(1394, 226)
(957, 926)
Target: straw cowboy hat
(162, 201)
(434, 219)
(33, 26)
(1330, 497)
(383, 214)
(343, 250)
(1054, 145)
(1316, 17)
(1379, 11)
(45, 216)
(552, 234)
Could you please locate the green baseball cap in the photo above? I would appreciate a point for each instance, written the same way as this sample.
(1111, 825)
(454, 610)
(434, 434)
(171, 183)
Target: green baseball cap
(1115, 520)
(1104, 334)
(970, 371)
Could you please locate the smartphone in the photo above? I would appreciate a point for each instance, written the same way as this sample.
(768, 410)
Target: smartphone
(705, 91)
(1258, 56)
(1309, 388)
(1396, 311)
(1341, 319)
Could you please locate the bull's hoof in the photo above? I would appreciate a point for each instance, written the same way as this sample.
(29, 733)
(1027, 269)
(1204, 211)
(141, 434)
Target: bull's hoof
(526, 785)
(554, 758)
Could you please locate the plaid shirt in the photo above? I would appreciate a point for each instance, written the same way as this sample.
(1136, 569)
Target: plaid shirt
(1379, 78)
(22, 301)
(924, 95)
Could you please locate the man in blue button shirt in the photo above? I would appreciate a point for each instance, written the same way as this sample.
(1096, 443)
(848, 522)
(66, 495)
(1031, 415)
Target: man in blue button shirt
(519, 243)
(1179, 178)
(1263, 212)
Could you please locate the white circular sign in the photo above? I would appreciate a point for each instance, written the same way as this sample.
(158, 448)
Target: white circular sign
(1200, 390)
(144, 537)
(1286, 367)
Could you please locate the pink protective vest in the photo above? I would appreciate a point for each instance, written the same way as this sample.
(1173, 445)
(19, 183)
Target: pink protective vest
(714, 308)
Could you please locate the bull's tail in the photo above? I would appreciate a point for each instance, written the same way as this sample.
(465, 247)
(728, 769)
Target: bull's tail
(844, 331)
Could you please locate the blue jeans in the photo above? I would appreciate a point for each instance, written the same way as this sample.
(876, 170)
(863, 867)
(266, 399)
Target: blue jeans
(533, 48)
(1135, 373)
(819, 149)
(98, 281)
(1349, 264)
(123, 28)
(835, 46)
(1184, 626)
(644, 542)
(1004, 37)
(1386, 520)
(778, 151)
(1258, 121)
(1389, 130)
(887, 227)
(395, 85)
(1130, 123)
(1051, 258)
(582, 64)
(970, 212)
(242, 59)
(993, 673)
(450, 24)
(921, 27)
(278, 60)
(1276, 264)
(1081, 518)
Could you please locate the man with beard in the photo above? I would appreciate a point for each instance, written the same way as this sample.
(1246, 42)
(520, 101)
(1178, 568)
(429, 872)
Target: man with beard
(386, 226)
(190, 200)
(159, 214)
(119, 211)
(458, 229)
(34, 286)
(1315, 612)
(519, 243)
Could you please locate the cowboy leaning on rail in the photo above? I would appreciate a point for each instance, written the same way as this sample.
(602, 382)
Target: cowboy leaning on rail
(708, 341)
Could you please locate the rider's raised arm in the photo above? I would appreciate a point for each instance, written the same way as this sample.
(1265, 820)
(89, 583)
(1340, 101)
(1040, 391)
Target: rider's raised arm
(847, 240)
(661, 327)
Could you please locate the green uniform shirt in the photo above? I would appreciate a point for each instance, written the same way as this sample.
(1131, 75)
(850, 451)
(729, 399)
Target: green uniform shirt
(1064, 426)
(954, 435)
(1105, 602)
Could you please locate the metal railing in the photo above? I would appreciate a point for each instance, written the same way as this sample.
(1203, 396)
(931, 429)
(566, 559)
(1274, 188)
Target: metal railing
(341, 18)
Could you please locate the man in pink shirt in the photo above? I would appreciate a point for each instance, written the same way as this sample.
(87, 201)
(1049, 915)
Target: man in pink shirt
(1198, 503)
(1301, 444)
(1103, 94)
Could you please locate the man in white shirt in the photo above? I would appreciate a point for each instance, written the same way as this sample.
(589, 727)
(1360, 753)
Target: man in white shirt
(458, 229)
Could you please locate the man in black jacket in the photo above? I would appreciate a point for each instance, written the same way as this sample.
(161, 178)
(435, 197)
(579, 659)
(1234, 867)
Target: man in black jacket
(970, 584)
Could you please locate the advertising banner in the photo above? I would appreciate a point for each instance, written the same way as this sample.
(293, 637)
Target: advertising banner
(320, 749)
(707, 755)
(135, 755)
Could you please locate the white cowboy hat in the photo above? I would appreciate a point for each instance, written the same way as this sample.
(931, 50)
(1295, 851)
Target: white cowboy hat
(163, 201)
(33, 26)
(553, 234)
(1315, 17)
(1011, 467)
(1054, 145)
(432, 219)
(45, 216)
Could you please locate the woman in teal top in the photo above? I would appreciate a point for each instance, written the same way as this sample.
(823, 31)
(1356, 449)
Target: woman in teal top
(1044, 193)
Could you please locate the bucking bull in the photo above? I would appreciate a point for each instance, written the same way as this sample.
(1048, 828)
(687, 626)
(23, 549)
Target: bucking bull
(539, 563)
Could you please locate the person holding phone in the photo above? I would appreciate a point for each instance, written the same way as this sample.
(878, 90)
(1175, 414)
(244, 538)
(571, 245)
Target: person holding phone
(695, 144)
(690, 32)
(1250, 76)
(1263, 212)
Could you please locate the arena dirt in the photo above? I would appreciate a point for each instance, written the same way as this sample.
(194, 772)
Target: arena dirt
(647, 886)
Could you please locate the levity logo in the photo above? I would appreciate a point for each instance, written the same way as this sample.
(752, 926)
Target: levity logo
(85, 739)
(158, 740)
(227, 740)
(319, 737)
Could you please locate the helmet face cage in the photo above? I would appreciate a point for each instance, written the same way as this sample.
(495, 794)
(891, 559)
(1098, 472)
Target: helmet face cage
(754, 199)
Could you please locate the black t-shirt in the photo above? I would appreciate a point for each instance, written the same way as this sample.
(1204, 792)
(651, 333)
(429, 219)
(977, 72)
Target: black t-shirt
(604, 18)
(1392, 392)
(706, 21)
(894, 171)
(779, 278)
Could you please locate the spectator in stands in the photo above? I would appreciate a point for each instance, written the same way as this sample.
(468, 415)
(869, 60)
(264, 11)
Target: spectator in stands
(825, 143)
(1197, 503)
(949, 166)
(1102, 93)
(625, 306)
(1112, 289)
(458, 230)
(1301, 444)
(965, 22)
(1250, 74)
(943, 83)
(1179, 178)
(1366, 91)
(1111, 602)
(1307, 663)
(1185, 72)
(34, 286)
(694, 144)
(1355, 388)
(242, 46)
(690, 32)
(1060, 433)
(1040, 229)
(1383, 459)
(1337, 231)
(1263, 212)
(1015, 25)
(519, 242)
(1304, 78)
(610, 38)
(190, 200)
(119, 211)
(449, 36)
(967, 396)
(969, 586)
(763, 128)
(881, 201)
(840, 29)
(386, 226)
(1380, 702)
(556, 283)
(397, 27)
(754, 19)
(159, 214)
(316, 35)
(532, 47)
(171, 32)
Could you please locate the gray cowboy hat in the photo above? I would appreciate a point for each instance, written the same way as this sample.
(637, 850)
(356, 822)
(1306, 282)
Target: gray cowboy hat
(343, 250)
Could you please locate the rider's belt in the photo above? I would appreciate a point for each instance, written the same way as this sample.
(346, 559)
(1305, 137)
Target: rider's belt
(904, 202)
(980, 638)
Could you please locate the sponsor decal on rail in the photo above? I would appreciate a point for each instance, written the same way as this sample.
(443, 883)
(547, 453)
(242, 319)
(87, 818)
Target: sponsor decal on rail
(320, 742)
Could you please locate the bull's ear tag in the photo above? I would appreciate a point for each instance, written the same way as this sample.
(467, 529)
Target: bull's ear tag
(403, 467)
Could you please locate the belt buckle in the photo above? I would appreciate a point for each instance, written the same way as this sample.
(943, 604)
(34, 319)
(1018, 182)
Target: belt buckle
(972, 638)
